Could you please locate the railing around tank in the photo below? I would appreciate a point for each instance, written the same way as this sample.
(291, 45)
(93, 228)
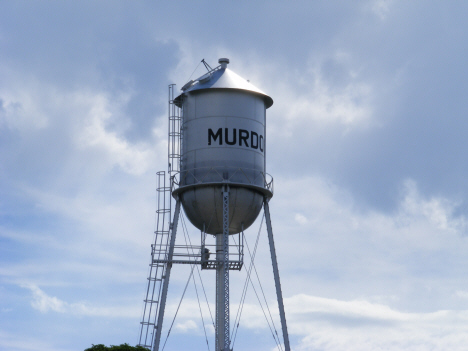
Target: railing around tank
(222, 175)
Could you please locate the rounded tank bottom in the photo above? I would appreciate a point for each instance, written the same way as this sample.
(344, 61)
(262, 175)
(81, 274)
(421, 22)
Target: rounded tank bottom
(204, 207)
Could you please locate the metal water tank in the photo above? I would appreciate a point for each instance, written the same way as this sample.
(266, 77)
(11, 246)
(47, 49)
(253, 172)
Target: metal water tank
(223, 144)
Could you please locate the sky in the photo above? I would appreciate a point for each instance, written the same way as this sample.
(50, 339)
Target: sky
(367, 144)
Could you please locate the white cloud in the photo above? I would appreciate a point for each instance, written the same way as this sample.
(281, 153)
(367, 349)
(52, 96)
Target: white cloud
(135, 159)
(462, 294)
(45, 303)
(22, 111)
(437, 211)
(383, 244)
(310, 101)
(21, 342)
(78, 166)
(360, 325)
(381, 8)
(188, 325)
(324, 105)
(321, 323)
(300, 218)
(342, 245)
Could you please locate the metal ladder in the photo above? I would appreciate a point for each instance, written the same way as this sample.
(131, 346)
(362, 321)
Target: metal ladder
(174, 144)
(157, 271)
(161, 254)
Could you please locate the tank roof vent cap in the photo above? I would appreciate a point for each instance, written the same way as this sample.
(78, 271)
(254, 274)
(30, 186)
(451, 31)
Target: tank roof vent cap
(224, 62)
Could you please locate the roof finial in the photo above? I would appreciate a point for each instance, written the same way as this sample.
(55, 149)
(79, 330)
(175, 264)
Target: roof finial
(224, 62)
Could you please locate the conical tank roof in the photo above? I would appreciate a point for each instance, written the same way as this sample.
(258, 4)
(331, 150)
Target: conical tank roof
(222, 77)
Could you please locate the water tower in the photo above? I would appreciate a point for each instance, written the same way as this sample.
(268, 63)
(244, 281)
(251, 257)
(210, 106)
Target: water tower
(216, 151)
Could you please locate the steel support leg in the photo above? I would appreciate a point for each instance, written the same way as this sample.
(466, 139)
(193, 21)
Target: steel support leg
(162, 302)
(222, 280)
(279, 294)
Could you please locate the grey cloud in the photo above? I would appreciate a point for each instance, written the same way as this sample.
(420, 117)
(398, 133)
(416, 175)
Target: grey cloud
(366, 97)
(416, 79)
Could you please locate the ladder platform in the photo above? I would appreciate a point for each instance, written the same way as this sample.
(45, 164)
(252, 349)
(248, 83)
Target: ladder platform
(210, 264)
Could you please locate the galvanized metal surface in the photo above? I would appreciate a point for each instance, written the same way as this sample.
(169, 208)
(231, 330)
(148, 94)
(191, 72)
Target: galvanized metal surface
(222, 340)
(157, 272)
(202, 188)
(162, 304)
(216, 152)
(274, 262)
(205, 254)
(174, 134)
(223, 129)
(204, 206)
(223, 78)
(223, 124)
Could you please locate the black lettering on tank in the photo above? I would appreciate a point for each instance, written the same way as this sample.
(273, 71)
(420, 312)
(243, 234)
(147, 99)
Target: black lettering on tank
(256, 141)
(219, 134)
(253, 140)
(234, 136)
(243, 136)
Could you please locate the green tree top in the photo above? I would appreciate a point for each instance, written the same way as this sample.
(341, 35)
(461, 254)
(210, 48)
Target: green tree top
(123, 347)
